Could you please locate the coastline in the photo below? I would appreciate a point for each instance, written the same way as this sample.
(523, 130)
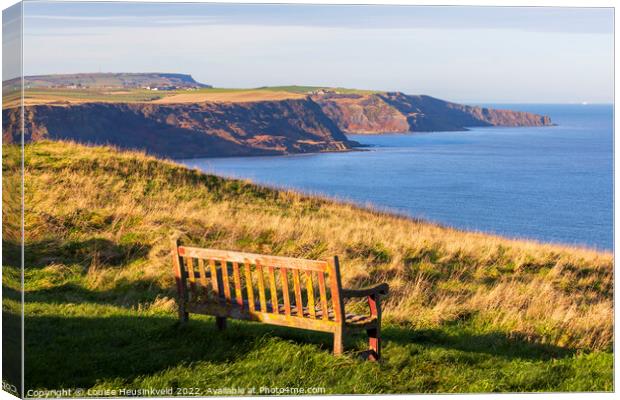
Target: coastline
(390, 212)
(219, 122)
(481, 179)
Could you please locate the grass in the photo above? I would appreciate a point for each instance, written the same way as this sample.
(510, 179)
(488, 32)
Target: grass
(62, 96)
(307, 89)
(130, 95)
(468, 312)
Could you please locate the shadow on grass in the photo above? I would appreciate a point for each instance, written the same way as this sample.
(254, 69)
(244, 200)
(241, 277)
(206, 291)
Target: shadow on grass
(43, 253)
(460, 338)
(11, 348)
(128, 293)
(10, 293)
(85, 350)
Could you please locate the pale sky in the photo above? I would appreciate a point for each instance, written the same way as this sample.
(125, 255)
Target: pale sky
(467, 54)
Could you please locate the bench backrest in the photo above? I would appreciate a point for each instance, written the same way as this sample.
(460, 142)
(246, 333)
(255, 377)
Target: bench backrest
(256, 283)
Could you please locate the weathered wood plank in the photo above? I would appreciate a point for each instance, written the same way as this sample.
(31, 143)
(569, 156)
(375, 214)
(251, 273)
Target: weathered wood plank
(179, 276)
(225, 280)
(236, 312)
(323, 295)
(273, 290)
(235, 256)
(203, 275)
(261, 288)
(336, 286)
(214, 283)
(310, 293)
(237, 280)
(285, 293)
(249, 286)
(189, 266)
(297, 288)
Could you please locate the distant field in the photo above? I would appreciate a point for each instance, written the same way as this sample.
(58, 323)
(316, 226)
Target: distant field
(228, 96)
(73, 96)
(306, 89)
(76, 96)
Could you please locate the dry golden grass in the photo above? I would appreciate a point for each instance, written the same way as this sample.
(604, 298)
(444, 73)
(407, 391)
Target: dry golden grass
(64, 97)
(243, 96)
(545, 293)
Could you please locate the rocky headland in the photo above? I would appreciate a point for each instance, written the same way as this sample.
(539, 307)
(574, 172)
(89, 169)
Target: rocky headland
(216, 123)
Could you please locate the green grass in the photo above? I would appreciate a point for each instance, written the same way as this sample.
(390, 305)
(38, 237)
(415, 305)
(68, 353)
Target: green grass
(93, 343)
(130, 95)
(462, 315)
(306, 89)
(118, 338)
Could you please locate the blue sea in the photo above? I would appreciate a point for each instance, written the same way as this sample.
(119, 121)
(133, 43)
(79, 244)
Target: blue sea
(552, 184)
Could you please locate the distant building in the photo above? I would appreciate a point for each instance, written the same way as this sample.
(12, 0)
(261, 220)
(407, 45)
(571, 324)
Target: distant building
(157, 88)
(323, 91)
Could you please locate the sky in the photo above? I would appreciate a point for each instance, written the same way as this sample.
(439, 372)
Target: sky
(466, 54)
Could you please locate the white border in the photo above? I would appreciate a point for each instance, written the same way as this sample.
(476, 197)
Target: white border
(506, 3)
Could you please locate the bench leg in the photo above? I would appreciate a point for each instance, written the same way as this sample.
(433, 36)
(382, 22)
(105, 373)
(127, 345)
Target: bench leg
(338, 342)
(183, 316)
(220, 322)
(374, 343)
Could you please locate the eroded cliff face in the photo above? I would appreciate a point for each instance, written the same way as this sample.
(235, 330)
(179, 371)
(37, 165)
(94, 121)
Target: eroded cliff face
(397, 112)
(189, 130)
(217, 129)
(363, 113)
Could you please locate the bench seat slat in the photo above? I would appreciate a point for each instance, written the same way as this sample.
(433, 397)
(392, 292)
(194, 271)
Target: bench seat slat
(353, 320)
(249, 287)
(285, 293)
(237, 280)
(323, 295)
(240, 257)
(225, 280)
(297, 288)
(273, 289)
(261, 288)
(203, 276)
(310, 292)
(213, 277)
(236, 312)
(189, 267)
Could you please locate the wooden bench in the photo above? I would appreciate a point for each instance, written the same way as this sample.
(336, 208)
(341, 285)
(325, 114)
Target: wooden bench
(228, 284)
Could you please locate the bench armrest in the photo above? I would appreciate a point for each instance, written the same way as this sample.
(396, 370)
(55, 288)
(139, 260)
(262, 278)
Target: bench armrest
(378, 289)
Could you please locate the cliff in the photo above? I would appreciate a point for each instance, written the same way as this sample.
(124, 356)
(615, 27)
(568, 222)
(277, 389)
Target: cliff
(187, 130)
(356, 113)
(205, 123)
(397, 112)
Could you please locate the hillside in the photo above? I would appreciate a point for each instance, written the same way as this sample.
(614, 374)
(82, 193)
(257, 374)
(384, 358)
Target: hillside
(123, 80)
(468, 312)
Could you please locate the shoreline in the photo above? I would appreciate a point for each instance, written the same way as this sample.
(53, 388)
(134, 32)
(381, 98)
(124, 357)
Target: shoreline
(389, 212)
(364, 207)
(287, 172)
